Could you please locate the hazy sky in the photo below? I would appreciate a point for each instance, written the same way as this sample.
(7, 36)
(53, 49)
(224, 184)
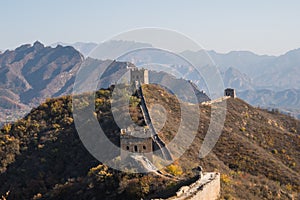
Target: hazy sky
(262, 26)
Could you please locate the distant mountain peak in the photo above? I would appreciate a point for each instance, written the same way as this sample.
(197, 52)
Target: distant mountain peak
(23, 47)
(38, 43)
(82, 47)
(33, 71)
(38, 46)
(294, 52)
(242, 51)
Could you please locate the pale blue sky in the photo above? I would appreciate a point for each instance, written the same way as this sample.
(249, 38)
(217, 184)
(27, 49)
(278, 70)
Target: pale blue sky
(262, 26)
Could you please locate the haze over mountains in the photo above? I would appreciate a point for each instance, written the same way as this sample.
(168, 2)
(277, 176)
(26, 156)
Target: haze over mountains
(32, 73)
(261, 80)
(266, 81)
(83, 47)
(253, 71)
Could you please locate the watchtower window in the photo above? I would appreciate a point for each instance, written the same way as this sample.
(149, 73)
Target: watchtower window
(127, 148)
(135, 148)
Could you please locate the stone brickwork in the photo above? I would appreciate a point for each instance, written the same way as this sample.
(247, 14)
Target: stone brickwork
(136, 141)
(210, 190)
(140, 75)
(205, 188)
(229, 92)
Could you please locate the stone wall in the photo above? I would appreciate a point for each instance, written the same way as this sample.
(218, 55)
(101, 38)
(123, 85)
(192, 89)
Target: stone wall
(210, 191)
(136, 145)
(230, 92)
(140, 75)
(206, 188)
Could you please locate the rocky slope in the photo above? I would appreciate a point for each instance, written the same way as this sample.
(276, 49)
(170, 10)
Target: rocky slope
(38, 71)
(32, 73)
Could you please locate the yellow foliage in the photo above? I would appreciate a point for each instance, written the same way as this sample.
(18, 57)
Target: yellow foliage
(21, 128)
(243, 129)
(56, 126)
(289, 187)
(7, 128)
(283, 151)
(68, 120)
(9, 138)
(44, 105)
(274, 151)
(100, 171)
(99, 101)
(225, 179)
(175, 170)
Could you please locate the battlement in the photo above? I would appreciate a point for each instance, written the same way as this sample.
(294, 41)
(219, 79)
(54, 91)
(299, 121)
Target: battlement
(229, 92)
(136, 140)
(141, 132)
(140, 75)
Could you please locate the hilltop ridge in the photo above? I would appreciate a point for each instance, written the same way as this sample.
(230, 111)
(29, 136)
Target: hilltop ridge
(42, 156)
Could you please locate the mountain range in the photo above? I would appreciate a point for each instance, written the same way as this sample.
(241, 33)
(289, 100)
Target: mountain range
(246, 72)
(265, 72)
(260, 80)
(83, 47)
(32, 73)
(265, 81)
(257, 71)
